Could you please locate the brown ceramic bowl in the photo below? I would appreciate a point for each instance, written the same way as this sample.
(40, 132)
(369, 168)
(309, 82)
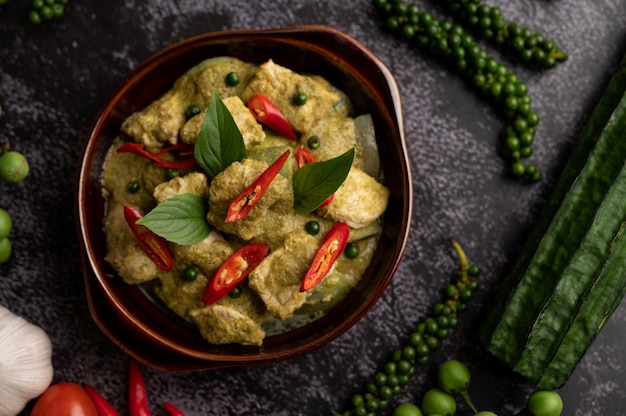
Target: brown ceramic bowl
(131, 319)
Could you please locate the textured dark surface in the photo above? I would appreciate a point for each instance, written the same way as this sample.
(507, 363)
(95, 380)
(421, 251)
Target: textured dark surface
(54, 77)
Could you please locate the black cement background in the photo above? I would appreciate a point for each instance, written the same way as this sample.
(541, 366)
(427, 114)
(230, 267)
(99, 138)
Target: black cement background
(54, 77)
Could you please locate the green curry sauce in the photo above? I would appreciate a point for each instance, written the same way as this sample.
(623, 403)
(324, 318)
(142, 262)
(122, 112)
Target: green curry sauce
(269, 300)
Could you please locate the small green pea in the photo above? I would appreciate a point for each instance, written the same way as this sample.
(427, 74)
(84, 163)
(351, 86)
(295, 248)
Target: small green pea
(192, 110)
(190, 273)
(314, 142)
(232, 79)
(38, 4)
(352, 250)
(300, 98)
(133, 186)
(312, 227)
(5, 223)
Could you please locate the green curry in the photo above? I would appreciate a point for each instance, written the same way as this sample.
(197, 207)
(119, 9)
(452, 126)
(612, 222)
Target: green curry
(268, 301)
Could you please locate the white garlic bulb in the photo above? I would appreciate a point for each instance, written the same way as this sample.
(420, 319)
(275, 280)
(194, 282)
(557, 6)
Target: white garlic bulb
(25, 362)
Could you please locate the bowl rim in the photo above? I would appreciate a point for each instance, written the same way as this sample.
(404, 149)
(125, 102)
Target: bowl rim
(92, 277)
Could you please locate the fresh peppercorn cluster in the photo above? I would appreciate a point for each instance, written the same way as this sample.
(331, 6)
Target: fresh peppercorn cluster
(427, 337)
(489, 23)
(452, 43)
(45, 10)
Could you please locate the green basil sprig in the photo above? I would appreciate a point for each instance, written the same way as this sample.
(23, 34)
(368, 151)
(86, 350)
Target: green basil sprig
(314, 182)
(180, 219)
(219, 142)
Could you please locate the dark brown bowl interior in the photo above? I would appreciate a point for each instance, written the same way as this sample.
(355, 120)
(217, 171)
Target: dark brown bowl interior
(157, 338)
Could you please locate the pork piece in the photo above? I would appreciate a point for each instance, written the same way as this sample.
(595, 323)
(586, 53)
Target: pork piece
(124, 253)
(250, 129)
(227, 185)
(192, 183)
(359, 201)
(232, 320)
(207, 255)
(160, 122)
(278, 277)
(280, 84)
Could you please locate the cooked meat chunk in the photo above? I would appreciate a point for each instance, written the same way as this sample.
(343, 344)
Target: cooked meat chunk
(230, 183)
(192, 183)
(280, 84)
(232, 320)
(359, 201)
(278, 278)
(160, 122)
(124, 254)
(250, 129)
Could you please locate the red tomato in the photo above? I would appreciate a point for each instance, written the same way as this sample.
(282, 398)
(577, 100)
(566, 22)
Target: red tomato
(64, 399)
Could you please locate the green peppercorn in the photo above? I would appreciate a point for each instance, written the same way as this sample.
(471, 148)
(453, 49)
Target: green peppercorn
(172, 173)
(312, 227)
(133, 186)
(232, 79)
(314, 142)
(190, 273)
(300, 98)
(352, 250)
(192, 110)
(235, 293)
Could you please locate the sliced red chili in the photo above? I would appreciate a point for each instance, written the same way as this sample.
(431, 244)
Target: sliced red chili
(241, 206)
(268, 114)
(172, 410)
(233, 271)
(137, 392)
(332, 247)
(303, 157)
(103, 407)
(185, 152)
(153, 245)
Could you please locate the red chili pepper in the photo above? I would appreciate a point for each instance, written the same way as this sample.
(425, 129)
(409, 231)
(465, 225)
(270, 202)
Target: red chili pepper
(267, 113)
(103, 407)
(333, 245)
(233, 271)
(172, 410)
(186, 151)
(241, 206)
(137, 393)
(303, 157)
(153, 245)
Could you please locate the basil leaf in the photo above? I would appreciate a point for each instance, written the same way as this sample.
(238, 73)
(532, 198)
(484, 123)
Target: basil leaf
(314, 182)
(180, 219)
(219, 142)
